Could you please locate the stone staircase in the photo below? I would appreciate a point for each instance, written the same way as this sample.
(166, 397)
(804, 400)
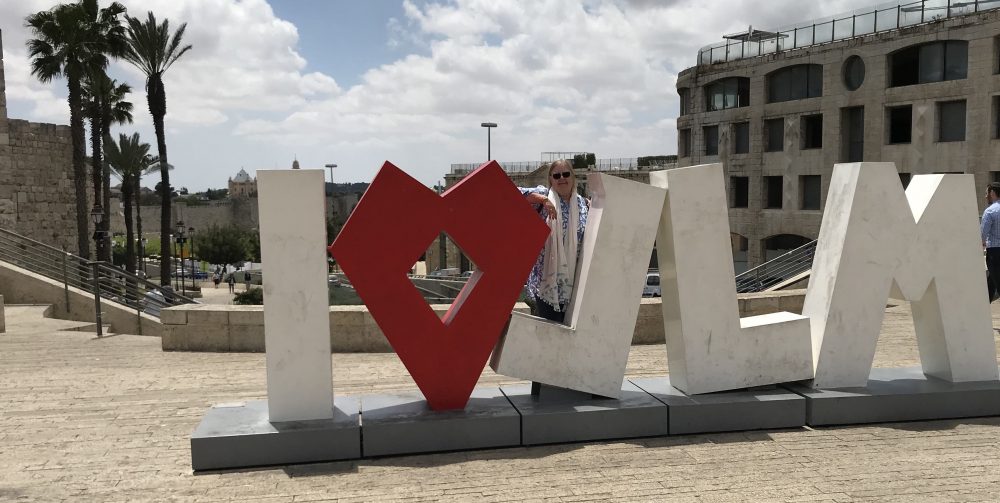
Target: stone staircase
(30, 318)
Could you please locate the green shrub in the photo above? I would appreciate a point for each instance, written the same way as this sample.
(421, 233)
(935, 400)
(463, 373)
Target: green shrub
(251, 297)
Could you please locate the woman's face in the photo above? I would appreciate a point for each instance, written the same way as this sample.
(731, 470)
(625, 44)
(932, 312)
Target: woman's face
(561, 179)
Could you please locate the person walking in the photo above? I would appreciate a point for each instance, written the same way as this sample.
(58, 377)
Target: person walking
(990, 231)
(232, 282)
(246, 279)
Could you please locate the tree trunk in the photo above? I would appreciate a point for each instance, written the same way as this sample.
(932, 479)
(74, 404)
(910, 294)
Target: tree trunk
(129, 236)
(138, 219)
(79, 166)
(106, 180)
(157, 108)
(97, 177)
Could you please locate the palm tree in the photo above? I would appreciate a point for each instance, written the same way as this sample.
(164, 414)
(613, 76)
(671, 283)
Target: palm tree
(129, 158)
(153, 50)
(105, 106)
(71, 39)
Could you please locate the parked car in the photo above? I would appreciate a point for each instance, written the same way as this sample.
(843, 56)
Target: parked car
(451, 271)
(652, 286)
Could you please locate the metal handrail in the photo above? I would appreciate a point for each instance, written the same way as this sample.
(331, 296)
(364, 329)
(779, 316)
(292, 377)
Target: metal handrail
(777, 270)
(106, 281)
(881, 18)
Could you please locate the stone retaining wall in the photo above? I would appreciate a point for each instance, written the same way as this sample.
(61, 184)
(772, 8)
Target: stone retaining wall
(208, 327)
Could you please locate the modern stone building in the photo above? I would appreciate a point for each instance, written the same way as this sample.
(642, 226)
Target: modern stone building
(36, 178)
(915, 83)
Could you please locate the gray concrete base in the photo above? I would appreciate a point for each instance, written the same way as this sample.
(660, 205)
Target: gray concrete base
(404, 424)
(752, 409)
(900, 394)
(557, 415)
(240, 435)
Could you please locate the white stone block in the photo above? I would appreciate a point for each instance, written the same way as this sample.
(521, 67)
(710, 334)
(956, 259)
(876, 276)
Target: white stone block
(590, 354)
(296, 305)
(709, 347)
(923, 246)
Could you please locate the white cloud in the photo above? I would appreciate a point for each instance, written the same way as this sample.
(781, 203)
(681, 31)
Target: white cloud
(562, 75)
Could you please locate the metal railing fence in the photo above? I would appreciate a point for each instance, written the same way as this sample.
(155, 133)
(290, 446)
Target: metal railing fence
(881, 18)
(776, 270)
(104, 280)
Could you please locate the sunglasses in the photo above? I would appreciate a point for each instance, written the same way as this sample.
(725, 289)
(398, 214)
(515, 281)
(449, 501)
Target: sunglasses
(564, 174)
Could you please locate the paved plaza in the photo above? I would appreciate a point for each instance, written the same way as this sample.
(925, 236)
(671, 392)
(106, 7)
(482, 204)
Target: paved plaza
(86, 419)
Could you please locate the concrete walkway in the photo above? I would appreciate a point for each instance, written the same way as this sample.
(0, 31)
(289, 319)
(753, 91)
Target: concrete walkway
(85, 419)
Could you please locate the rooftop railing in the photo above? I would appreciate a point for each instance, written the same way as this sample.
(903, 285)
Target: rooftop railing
(881, 18)
(610, 164)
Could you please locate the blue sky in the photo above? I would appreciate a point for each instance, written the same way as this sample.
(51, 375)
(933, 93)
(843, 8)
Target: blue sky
(344, 38)
(360, 82)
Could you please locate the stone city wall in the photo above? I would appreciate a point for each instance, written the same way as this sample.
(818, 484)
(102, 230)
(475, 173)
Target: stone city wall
(36, 178)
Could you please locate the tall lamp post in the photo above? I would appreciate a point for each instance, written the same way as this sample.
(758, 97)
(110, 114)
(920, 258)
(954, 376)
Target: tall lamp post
(180, 241)
(488, 126)
(191, 255)
(330, 167)
(97, 215)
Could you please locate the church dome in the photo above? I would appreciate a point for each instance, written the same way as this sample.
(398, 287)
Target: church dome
(242, 177)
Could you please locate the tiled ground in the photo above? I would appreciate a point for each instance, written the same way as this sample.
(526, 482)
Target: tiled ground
(83, 419)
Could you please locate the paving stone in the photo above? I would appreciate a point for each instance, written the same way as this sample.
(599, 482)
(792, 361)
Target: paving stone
(87, 419)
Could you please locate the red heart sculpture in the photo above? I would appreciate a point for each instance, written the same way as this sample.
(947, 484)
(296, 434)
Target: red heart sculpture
(396, 220)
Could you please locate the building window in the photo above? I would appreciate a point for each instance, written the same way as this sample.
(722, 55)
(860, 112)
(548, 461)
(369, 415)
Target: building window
(900, 121)
(932, 62)
(810, 190)
(854, 73)
(995, 176)
(795, 83)
(774, 135)
(732, 92)
(951, 121)
(772, 192)
(711, 140)
(741, 138)
(812, 131)
(685, 95)
(684, 143)
(740, 188)
(904, 178)
(996, 116)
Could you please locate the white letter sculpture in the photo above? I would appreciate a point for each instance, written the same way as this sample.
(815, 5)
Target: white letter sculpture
(925, 245)
(709, 347)
(297, 306)
(590, 354)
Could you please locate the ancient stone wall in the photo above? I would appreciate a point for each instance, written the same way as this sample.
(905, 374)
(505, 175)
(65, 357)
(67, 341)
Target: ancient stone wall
(36, 178)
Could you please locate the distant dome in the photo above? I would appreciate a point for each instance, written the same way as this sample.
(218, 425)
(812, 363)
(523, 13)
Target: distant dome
(295, 164)
(242, 177)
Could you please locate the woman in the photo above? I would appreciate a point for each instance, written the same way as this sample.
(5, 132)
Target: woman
(551, 282)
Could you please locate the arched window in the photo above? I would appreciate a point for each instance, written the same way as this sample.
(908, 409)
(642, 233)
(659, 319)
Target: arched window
(795, 83)
(931, 62)
(731, 92)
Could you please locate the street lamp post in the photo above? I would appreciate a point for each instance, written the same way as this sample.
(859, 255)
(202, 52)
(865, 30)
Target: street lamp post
(97, 215)
(488, 126)
(330, 166)
(180, 241)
